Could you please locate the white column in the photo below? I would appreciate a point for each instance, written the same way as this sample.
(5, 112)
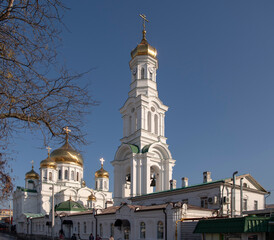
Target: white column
(133, 177)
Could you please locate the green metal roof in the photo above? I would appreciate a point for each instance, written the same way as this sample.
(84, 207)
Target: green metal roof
(134, 148)
(249, 224)
(34, 215)
(26, 190)
(145, 148)
(177, 189)
(70, 206)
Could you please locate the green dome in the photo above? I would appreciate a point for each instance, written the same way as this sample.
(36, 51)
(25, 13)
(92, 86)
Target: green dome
(69, 206)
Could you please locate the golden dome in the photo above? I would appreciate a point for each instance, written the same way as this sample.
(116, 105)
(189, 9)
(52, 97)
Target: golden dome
(91, 197)
(32, 174)
(102, 173)
(144, 48)
(66, 154)
(48, 163)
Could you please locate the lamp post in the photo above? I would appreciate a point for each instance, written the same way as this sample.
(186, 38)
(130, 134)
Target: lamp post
(233, 195)
(10, 217)
(52, 212)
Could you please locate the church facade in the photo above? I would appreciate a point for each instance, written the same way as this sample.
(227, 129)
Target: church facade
(147, 203)
(61, 176)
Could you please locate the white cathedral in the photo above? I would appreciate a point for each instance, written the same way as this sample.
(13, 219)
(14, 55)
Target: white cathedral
(146, 204)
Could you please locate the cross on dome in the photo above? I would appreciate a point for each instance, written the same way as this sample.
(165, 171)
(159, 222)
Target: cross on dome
(32, 163)
(143, 16)
(102, 161)
(67, 131)
(48, 148)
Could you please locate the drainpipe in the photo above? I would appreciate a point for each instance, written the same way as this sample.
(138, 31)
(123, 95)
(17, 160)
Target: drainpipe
(222, 200)
(265, 198)
(233, 195)
(164, 210)
(95, 212)
(241, 199)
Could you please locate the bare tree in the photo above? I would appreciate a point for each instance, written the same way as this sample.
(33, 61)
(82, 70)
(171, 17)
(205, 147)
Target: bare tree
(36, 92)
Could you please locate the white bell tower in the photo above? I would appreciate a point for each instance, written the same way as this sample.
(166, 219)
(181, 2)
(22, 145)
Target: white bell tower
(143, 163)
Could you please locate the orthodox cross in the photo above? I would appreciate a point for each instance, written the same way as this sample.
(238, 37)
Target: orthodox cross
(102, 161)
(48, 148)
(67, 130)
(32, 163)
(143, 16)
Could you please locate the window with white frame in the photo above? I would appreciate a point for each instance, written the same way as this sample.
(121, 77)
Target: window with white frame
(142, 230)
(204, 202)
(160, 230)
(255, 205)
(245, 204)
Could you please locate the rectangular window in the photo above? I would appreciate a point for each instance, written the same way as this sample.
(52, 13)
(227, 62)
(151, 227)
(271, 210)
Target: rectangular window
(112, 229)
(245, 204)
(101, 229)
(85, 227)
(126, 233)
(204, 202)
(255, 205)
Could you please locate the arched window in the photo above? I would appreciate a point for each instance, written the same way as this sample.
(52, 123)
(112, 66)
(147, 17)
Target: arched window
(78, 225)
(60, 174)
(77, 176)
(45, 174)
(150, 75)
(105, 185)
(142, 230)
(96, 185)
(111, 229)
(92, 226)
(149, 121)
(160, 230)
(135, 121)
(142, 73)
(130, 125)
(101, 184)
(72, 175)
(101, 230)
(66, 174)
(50, 176)
(85, 227)
(155, 124)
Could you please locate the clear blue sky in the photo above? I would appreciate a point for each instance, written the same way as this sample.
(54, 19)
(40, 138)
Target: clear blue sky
(215, 73)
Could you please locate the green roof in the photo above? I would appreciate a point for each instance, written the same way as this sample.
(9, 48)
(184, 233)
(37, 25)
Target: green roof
(177, 189)
(145, 148)
(34, 215)
(134, 148)
(70, 206)
(26, 190)
(249, 224)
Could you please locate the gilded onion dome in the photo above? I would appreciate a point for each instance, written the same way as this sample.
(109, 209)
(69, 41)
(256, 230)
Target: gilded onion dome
(32, 174)
(66, 154)
(102, 173)
(48, 163)
(91, 197)
(144, 48)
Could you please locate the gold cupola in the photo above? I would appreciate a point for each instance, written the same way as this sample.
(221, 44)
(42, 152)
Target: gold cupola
(48, 162)
(102, 173)
(144, 48)
(67, 154)
(32, 174)
(91, 197)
